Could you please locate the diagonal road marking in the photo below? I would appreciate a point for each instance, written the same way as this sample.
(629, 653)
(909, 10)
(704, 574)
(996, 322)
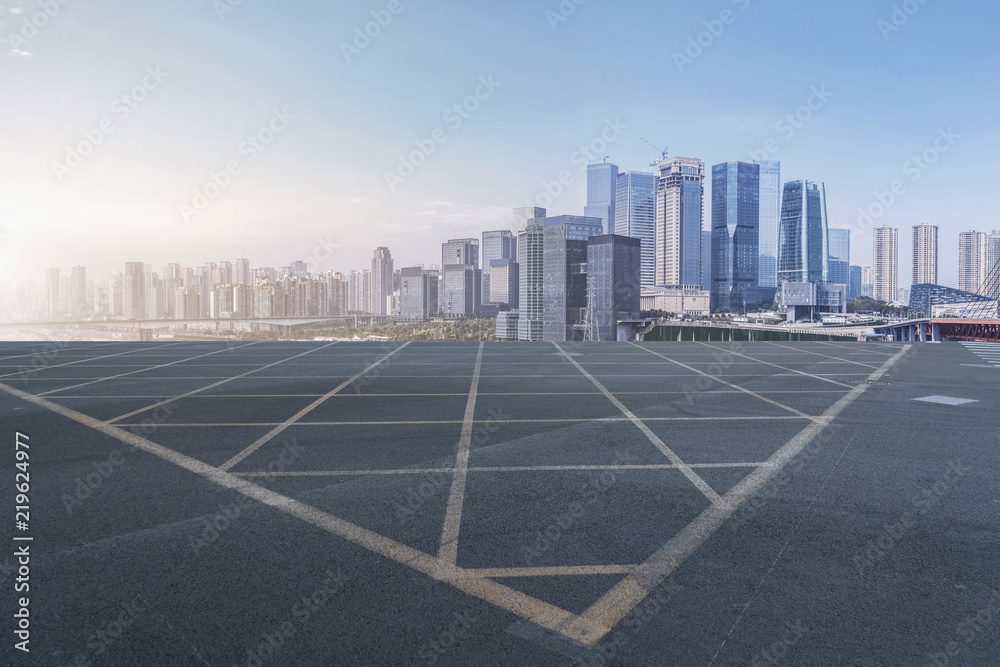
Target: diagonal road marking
(694, 477)
(80, 361)
(306, 410)
(453, 516)
(817, 354)
(784, 368)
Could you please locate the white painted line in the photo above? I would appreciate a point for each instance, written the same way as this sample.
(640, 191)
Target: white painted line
(494, 469)
(211, 386)
(558, 571)
(453, 517)
(695, 479)
(784, 368)
(946, 400)
(619, 601)
(306, 410)
(828, 356)
(80, 361)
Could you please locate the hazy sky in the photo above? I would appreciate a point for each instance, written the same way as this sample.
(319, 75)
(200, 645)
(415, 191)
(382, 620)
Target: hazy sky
(181, 85)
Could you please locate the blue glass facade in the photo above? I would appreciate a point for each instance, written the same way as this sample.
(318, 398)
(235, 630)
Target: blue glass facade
(735, 235)
(854, 284)
(635, 217)
(602, 186)
(840, 256)
(803, 237)
(770, 219)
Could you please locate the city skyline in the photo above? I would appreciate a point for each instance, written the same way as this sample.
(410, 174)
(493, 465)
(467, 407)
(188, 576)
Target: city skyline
(319, 177)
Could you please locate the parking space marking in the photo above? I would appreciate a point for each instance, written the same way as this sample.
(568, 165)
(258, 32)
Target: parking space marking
(78, 361)
(484, 469)
(306, 410)
(828, 356)
(695, 479)
(786, 368)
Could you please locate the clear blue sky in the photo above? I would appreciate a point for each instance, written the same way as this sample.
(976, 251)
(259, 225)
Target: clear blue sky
(559, 84)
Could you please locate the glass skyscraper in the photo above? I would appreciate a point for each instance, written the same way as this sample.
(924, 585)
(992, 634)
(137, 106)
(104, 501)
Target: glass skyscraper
(840, 256)
(613, 270)
(564, 275)
(735, 235)
(635, 217)
(803, 237)
(602, 185)
(770, 219)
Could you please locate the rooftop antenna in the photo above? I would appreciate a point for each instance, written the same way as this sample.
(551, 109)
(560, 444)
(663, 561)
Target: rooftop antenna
(663, 153)
(605, 159)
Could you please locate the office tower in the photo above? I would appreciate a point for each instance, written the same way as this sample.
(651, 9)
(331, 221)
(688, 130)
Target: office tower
(886, 264)
(635, 216)
(418, 293)
(706, 261)
(564, 277)
(855, 282)
(133, 287)
(497, 245)
(840, 256)
(524, 215)
(971, 261)
(770, 220)
(530, 254)
(382, 273)
(991, 266)
(803, 239)
(925, 255)
(504, 283)
(241, 272)
(735, 226)
(679, 200)
(602, 187)
(461, 295)
(78, 293)
(614, 270)
(868, 281)
(53, 287)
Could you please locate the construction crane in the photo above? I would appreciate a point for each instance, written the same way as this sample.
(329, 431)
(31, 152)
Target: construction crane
(663, 153)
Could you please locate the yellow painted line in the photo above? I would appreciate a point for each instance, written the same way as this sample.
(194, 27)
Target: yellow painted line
(141, 370)
(729, 384)
(619, 601)
(695, 479)
(306, 410)
(453, 516)
(533, 610)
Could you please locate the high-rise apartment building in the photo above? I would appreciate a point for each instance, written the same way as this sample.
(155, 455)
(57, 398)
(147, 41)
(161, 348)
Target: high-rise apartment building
(635, 216)
(53, 289)
(770, 220)
(886, 264)
(840, 256)
(925, 255)
(530, 254)
(241, 272)
(803, 236)
(971, 261)
(679, 204)
(133, 291)
(991, 268)
(78, 302)
(613, 284)
(602, 188)
(382, 276)
(735, 227)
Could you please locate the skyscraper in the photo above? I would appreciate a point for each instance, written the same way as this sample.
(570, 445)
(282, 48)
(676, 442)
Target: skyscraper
(78, 293)
(613, 284)
(602, 188)
(867, 281)
(991, 268)
(496, 246)
(886, 264)
(523, 215)
(503, 283)
(382, 271)
(840, 256)
(241, 272)
(564, 279)
(133, 287)
(53, 289)
(971, 261)
(679, 203)
(530, 255)
(803, 238)
(735, 240)
(460, 296)
(770, 220)
(925, 255)
(418, 293)
(854, 285)
(635, 216)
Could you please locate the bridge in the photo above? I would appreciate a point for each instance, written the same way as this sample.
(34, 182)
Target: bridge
(143, 329)
(929, 330)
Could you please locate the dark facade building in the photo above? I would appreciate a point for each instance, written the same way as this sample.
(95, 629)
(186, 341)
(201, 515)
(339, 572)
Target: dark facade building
(614, 284)
(564, 275)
